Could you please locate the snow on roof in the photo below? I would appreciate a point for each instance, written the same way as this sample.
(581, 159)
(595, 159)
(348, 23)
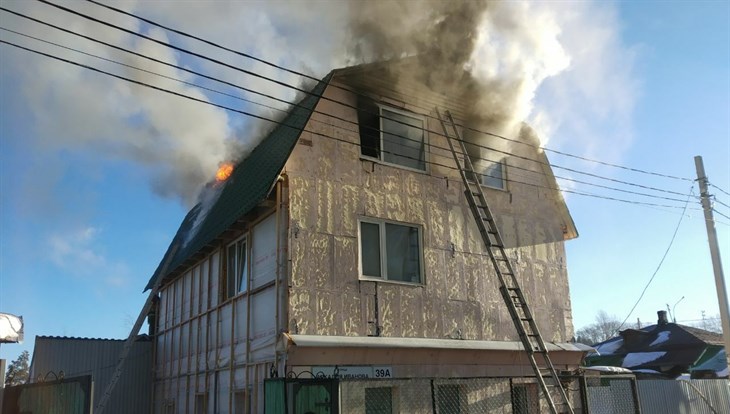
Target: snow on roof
(606, 368)
(662, 337)
(638, 358)
(646, 371)
(608, 348)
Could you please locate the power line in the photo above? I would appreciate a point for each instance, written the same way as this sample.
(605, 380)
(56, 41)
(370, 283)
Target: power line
(298, 129)
(284, 84)
(723, 215)
(333, 100)
(666, 252)
(720, 202)
(345, 120)
(720, 189)
(295, 72)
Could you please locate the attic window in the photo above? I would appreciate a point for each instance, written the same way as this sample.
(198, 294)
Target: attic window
(492, 175)
(392, 135)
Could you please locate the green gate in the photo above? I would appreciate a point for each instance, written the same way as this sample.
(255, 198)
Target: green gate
(301, 396)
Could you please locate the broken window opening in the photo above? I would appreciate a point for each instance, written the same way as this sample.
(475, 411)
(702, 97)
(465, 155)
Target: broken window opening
(391, 135)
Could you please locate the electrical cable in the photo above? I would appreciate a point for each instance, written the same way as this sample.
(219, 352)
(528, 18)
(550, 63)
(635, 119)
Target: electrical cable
(719, 202)
(300, 130)
(719, 189)
(284, 84)
(666, 252)
(283, 110)
(723, 215)
(298, 73)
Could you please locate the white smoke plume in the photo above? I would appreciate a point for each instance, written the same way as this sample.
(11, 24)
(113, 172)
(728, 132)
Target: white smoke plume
(519, 53)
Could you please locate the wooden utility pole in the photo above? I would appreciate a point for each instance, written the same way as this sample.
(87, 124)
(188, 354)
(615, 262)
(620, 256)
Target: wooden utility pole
(715, 254)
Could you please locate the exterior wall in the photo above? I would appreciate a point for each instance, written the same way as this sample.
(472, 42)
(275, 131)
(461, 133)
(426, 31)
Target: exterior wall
(216, 352)
(331, 186)
(98, 358)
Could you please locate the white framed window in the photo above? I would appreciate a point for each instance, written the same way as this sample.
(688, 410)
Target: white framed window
(392, 135)
(490, 174)
(391, 251)
(237, 268)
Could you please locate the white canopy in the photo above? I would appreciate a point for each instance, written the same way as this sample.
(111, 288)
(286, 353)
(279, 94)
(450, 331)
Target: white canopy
(11, 328)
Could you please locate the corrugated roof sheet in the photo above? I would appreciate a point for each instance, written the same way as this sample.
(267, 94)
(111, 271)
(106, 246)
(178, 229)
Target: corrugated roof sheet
(250, 183)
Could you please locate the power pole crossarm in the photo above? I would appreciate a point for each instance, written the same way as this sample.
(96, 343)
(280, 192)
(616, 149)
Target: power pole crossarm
(714, 253)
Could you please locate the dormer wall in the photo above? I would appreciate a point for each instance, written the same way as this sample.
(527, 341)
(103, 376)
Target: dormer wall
(341, 198)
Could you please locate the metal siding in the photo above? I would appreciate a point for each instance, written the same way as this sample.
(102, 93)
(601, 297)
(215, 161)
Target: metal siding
(683, 397)
(98, 358)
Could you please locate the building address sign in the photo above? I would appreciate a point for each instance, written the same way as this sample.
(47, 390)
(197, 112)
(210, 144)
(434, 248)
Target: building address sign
(355, 371)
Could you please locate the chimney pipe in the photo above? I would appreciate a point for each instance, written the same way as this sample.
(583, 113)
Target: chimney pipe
(662, 317)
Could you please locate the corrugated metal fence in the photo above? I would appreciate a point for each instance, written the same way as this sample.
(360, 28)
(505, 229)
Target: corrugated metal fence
(63, 396)
(710, 396)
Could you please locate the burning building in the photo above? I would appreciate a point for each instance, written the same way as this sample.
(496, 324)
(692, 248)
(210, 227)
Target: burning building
(343, 247)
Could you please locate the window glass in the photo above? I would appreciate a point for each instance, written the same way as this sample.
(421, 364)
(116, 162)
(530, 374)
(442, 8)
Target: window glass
(241, 266)
(230, 272)
(403, 140)
(391, 251)
(493, 175)
(370, 249)
(403, 257)
(236, 276)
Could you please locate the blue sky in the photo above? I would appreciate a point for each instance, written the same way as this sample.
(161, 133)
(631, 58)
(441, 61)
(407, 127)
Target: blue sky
(90, 196)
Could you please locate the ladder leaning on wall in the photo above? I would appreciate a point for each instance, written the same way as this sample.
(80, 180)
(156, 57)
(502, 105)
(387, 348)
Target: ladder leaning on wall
(509, 287)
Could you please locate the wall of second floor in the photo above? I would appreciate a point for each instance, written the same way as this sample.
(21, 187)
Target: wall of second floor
(375, 220)
(216, 322)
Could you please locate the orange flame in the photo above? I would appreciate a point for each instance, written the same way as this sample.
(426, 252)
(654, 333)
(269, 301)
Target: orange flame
(224, 172)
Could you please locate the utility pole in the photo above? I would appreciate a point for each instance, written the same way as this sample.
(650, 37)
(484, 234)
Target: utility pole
(715, 254)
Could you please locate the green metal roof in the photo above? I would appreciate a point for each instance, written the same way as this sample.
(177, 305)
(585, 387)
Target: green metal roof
(251, 181)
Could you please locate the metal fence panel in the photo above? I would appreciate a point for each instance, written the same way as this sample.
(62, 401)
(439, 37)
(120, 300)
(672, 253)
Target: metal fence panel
(448, 396)
(707, 396)
(611, 395)
(65, 396)
(479, 395)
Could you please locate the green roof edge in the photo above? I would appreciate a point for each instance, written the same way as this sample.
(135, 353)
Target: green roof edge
(251, 182)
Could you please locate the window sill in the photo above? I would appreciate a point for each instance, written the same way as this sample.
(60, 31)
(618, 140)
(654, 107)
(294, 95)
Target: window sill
(394, 282)
(491, 188)
(505, 190)
(394, 165)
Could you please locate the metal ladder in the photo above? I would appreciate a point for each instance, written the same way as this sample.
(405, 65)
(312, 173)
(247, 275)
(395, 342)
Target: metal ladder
(509, 287)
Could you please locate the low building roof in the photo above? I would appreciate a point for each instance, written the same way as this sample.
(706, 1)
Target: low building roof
(662, 345)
